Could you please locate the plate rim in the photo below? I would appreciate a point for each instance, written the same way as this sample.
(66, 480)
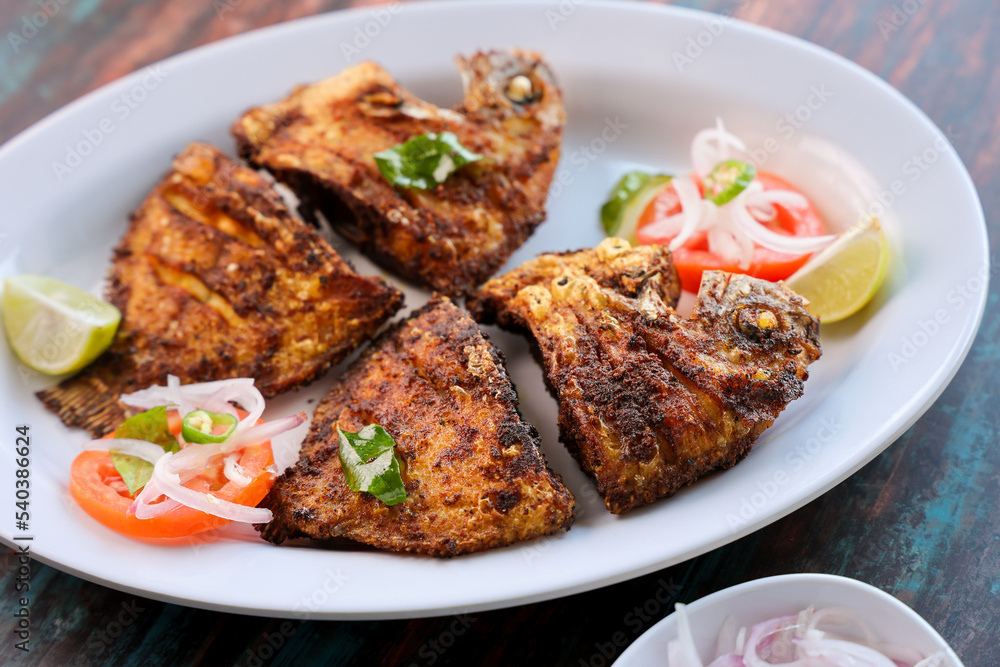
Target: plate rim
(916, 406)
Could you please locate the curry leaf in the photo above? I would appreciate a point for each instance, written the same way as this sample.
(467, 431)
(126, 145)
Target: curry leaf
(370, 464)
(425, 161)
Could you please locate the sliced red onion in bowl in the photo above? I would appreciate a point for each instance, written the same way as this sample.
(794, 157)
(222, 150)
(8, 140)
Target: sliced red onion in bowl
(728, 660)
(842, 653)
(764, 636)
(840, 616)
(726, 643)
(795, 640)
(687, 652)
(906, 655)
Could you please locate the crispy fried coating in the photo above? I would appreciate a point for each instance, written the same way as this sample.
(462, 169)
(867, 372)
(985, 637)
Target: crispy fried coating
(649, 401)
(474, 476)
(216, 279)
(320, 141)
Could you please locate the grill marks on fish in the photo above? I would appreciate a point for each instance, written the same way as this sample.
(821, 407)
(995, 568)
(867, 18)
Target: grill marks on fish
(320, 142)
(474, 476)
(648, 401)
(216, 279)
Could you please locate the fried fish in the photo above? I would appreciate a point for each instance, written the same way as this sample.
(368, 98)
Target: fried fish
(216, 279)
(649, 401)
(472, 470)
(321, 139)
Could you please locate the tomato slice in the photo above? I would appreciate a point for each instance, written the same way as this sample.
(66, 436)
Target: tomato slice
(98, 488)
(695, 256)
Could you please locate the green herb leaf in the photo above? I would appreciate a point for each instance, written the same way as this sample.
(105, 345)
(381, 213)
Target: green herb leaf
(727, 180)
(150, 426)
(630, 185)
(135, 472)
(370, 464)
(425, 161)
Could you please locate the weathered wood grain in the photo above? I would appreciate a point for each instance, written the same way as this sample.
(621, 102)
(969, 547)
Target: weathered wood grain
(921, 521)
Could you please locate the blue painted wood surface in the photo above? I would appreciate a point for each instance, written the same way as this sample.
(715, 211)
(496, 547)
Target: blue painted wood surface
(922, 521)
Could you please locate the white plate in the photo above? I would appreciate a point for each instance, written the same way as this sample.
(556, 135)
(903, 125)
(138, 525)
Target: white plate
(627, 101)
(756, 601)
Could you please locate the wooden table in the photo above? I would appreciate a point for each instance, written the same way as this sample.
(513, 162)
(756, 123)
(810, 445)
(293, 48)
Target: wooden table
(922, 521)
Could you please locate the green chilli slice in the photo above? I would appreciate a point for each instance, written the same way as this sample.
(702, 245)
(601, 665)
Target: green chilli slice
(727, 180)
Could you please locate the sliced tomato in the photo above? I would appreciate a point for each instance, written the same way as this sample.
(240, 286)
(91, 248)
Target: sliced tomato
(695, 256)
(98, 488)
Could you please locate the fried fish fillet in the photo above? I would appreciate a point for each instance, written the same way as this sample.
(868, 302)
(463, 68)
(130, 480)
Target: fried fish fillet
(216, 279)
(473, 473)
(320, 141)
(648, 401)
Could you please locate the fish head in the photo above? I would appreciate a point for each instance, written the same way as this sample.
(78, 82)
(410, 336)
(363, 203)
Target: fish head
(757, 315)
(511, 84)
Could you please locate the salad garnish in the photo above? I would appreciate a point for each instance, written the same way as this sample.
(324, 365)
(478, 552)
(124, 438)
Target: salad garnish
(425, 161)
(370, 463)
(198, 457)
(726, 215)
(794, 640)
(149, 427)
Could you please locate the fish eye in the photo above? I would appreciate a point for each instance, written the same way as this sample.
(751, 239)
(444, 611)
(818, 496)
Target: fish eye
(755, 322)
(521, 90)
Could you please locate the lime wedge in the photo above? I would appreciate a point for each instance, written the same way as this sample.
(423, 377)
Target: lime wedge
(53, 327)
(845, 275)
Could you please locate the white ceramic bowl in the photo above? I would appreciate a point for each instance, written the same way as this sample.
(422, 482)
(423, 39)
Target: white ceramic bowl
(761, 599)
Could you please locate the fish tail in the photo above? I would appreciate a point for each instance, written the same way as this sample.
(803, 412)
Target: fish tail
(87, 402)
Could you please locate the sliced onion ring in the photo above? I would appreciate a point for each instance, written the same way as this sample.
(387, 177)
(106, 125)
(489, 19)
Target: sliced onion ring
(704, 157)
(170, 485)
(691, 206)
(688, 651)
(234, 471)
(800, 639)
(286, 446)
(147, 451)
(762, 236)
(664, 227)
(840, 616)
(841, 652)
(263, 432)
(144, 507)
(760, 633)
